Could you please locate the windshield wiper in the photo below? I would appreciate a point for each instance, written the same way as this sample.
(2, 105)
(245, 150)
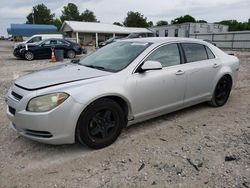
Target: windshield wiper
(95, 67)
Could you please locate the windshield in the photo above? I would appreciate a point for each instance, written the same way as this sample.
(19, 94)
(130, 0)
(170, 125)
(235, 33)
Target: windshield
(116, 56)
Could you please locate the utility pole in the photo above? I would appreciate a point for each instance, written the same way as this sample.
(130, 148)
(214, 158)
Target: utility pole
(33, 16)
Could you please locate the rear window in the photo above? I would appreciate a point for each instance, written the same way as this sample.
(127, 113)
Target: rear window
(210, 53)
(194, 52)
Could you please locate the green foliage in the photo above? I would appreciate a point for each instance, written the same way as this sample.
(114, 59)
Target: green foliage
(41, 15)
(150, 24)
(117, 23)
(201, 21)
(135, 19)
(57, 22)
(234, 25)
(70, 12)
(88, 16)
(161, 23)
(183, 19)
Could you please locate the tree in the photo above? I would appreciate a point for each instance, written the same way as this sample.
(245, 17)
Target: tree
(57, 22)
(70, 12)
(234, 25)
(150, 24)
(161, 22)
(40, 15)
(201, 21)
(117, 23)
(135, 19)
(88, 16)
(183, 19)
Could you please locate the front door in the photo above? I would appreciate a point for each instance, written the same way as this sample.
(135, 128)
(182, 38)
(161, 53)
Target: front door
(162, 90)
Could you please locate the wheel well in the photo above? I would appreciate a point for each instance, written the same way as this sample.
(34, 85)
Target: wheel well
(122, 103)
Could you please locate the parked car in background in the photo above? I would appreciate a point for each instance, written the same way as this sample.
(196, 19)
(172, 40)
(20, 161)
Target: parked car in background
(139, 35)
(123, 83)
(37, 38)
(130, 36)
(44, 48)
(113, 39)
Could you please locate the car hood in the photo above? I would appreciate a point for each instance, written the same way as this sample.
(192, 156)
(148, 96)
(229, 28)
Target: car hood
(57, 75)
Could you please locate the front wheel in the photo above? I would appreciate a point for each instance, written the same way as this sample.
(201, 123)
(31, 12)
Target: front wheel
(29, 55)
(221, 92)
(100, 124)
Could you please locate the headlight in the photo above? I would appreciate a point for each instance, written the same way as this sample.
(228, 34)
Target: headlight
(46, 103)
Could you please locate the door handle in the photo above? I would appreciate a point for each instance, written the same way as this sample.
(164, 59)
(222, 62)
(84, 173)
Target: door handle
(179, 72)
(215, 65)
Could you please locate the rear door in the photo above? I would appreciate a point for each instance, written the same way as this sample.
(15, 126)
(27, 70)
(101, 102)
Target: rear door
(201, 68)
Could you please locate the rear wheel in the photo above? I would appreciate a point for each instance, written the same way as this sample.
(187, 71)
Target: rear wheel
(222, 91)
(29, 55)
(71, 54)
(100, 124)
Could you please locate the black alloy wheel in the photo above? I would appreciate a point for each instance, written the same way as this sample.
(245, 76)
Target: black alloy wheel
(29, 55)
(100, 124)
(222, 91)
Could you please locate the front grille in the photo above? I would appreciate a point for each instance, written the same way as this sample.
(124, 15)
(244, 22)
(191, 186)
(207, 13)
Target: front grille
(16, 96)
(12, 110)
(43, 134)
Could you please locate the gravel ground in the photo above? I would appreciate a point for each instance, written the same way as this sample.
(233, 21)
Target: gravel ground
(199, 146)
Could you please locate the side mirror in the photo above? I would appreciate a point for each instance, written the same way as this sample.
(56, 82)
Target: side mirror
(150, 65)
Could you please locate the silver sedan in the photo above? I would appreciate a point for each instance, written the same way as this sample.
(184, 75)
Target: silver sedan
(123, 83)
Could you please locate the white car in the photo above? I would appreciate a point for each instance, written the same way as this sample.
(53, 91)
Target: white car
(123, 83)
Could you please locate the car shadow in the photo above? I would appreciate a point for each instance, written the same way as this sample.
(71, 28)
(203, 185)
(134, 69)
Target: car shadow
(166, 117)
(70, 151)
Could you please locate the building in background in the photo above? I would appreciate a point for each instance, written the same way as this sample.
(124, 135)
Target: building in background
(227, 40)
(27, 30)
(187, 29)
(93, 33)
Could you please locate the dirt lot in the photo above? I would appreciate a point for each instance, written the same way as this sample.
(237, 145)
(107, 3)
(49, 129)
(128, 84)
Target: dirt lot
(199, 146)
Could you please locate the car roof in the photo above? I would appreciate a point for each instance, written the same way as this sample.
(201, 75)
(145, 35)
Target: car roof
(159, 40)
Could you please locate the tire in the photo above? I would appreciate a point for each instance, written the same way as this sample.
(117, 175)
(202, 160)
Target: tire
(221, 92)
(29, 56)
(71, 54)
(100, 124)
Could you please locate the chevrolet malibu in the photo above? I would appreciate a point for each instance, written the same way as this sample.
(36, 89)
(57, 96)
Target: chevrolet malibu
(123, 83)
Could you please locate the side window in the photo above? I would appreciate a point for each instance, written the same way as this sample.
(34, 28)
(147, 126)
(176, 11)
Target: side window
(210, 53)
(167, 55)
(157, 33)
(61, 42)
(50, 42)
(176, 32)
(53, 42)
(150, 35)
(166, 33)
(35, 39)
(194, 52)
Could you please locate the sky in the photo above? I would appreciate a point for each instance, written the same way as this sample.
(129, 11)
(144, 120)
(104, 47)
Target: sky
(109, 11)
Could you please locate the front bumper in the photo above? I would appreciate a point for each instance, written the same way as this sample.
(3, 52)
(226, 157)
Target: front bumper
(53, 127)
(16, 53)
